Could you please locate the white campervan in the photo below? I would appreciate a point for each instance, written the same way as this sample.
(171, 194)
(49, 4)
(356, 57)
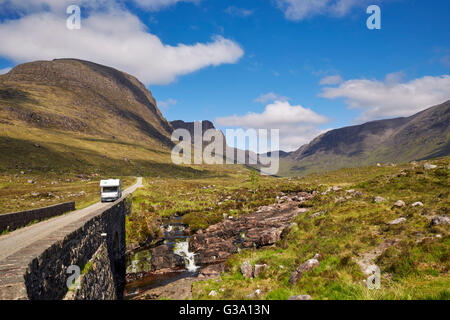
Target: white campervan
(111, 189)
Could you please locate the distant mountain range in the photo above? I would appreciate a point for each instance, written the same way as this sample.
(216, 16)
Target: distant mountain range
(227, 151)
(421, 136)
(81, 97)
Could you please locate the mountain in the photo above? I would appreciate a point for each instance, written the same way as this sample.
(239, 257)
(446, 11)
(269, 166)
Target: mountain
(421, 136)
(180, 124)
(227, 151)
(81, 96)
(74, 116)
(70, 114)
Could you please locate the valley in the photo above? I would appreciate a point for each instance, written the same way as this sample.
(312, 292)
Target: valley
(345, 223)
(355, 197)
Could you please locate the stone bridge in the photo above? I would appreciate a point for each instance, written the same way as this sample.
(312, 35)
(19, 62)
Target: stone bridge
(93, 243)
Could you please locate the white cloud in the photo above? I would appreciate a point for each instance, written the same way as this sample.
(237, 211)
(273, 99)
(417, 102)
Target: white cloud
(29, 6)
(298, 125)
(155, 5)
(270, 97)
(292, 138)
(166, 104)
(115, 38)
(4, 70)
(238, 12)
(297, 10)
(24, 7)
(331, 80)
(394, 77)
(391, 97)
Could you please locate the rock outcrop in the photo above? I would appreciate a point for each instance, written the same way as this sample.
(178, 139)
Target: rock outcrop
(309, 265)
(438, 220)
(163, 257)
(399, 204)
(261, 228)
(247, 270)
(397, 221)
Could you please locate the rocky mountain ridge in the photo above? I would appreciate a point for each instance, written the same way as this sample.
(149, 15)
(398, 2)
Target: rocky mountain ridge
(81, 96)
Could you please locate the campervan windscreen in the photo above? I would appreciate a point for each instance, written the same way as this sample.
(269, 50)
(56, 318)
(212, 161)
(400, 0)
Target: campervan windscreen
(110, 189)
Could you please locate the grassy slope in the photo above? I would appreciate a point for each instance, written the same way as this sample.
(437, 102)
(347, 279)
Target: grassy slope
(202, 201)
(416, 268)
(63, 156)
(348, 229)
(65, 118)
(80, 96)
(17, 194)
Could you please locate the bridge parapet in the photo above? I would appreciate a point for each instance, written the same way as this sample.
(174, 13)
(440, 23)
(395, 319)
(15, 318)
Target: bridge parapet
(40, 270)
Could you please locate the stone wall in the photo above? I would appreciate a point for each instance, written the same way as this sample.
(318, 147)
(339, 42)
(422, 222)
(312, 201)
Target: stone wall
(46, 275)
(16, 220)
(96, 281)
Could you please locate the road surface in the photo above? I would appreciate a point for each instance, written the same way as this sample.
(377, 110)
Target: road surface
(24, 237)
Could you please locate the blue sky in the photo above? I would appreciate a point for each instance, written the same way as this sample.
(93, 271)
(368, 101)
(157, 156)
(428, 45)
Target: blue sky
(282, 47)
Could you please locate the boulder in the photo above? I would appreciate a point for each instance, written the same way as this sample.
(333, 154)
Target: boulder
(255, 294)
(213, 293)
(247, 269)
(259, 268)
(399, 204)
(339, 199)
(162, 257)
(306, 266)
(418, 203)
(397, 221)
(379, 199)
(269, 237)
(429, 166)
(316, 214)
(213, 270)
(440, 220)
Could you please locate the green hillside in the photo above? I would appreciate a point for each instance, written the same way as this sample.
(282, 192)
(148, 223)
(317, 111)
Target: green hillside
(425, 135)
(348, 229)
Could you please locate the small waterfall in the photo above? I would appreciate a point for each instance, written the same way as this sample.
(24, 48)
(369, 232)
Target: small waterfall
(182, 249)
(141, 262)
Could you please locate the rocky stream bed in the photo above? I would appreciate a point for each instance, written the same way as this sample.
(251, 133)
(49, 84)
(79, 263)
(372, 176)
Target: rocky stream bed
(168, 269)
